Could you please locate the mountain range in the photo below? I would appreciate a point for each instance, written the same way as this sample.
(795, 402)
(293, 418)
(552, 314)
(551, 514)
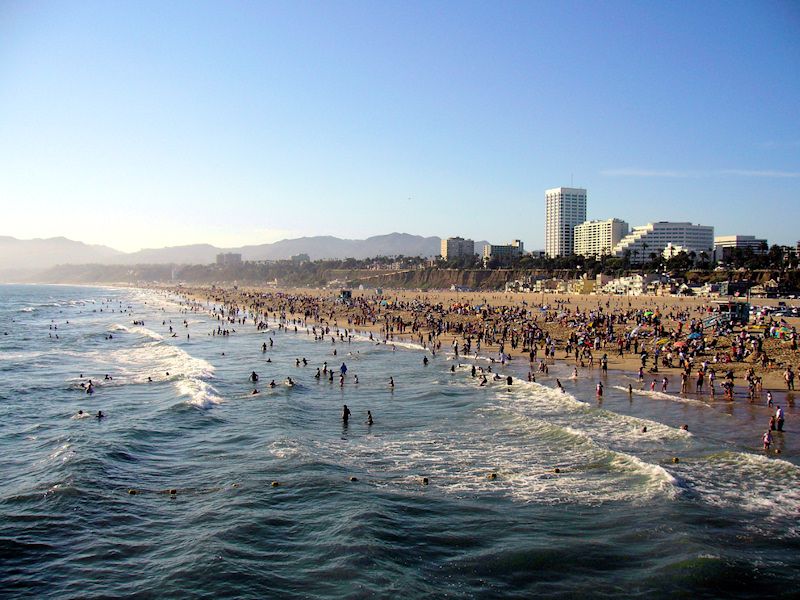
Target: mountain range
(20, 255)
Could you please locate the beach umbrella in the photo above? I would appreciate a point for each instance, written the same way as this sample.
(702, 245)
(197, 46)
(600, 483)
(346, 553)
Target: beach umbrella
(678, 344)
(695, 336)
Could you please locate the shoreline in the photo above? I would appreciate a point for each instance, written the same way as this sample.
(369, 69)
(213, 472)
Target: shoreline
(332, 312)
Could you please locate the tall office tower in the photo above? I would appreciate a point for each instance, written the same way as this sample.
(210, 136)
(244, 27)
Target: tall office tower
(566, 208)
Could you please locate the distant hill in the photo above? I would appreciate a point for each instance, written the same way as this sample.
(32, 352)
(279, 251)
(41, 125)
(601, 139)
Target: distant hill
(26, 255)
(43, 253)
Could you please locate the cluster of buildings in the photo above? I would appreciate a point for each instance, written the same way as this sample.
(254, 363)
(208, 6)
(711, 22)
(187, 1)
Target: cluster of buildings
(457, 247)
(568, 232)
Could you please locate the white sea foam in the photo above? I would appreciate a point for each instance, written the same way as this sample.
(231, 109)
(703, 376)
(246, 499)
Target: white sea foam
(378, 341)
(522, 451)
(767, 487)
(135, 365)
(660, 395)
(286, 448)
(200, 393)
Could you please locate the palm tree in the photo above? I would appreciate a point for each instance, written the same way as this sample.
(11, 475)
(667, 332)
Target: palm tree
(644, 255)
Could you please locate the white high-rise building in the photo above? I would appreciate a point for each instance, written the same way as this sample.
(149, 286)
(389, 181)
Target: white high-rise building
(654, 237)
(596, 238)
(565, 209)
(456, 247)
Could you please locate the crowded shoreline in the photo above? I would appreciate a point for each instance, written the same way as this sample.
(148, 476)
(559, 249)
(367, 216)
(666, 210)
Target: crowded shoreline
(655, 338)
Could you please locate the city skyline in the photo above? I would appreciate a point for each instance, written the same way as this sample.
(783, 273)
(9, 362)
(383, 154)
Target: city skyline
(144, 126)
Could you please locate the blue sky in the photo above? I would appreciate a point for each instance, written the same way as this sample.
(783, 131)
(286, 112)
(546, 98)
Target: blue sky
(145, 124)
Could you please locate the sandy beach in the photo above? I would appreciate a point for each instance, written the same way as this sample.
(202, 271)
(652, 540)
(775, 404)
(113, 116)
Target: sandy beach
(556, 316)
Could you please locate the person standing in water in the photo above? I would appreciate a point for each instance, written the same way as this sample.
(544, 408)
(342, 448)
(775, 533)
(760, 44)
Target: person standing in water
(345, 414)
(779, 418)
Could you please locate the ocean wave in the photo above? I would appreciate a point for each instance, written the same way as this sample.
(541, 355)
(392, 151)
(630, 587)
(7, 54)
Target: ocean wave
(660, 395)
(201, 394)
(517, 458)
(156, 360)
(768, 488)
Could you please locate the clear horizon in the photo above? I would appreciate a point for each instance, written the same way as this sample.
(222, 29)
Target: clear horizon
(148, 125)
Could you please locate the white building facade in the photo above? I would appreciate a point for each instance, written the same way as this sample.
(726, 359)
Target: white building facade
(653, 238)
(724, 244)
(457, 247)
(565, 208)
(598, 238)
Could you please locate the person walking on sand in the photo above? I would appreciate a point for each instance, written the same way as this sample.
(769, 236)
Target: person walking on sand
(788, 377)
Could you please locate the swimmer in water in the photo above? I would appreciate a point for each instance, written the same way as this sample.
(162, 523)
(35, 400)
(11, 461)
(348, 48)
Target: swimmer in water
(272, 383)
(100, 414)
(391, 382)
(509, 380)
(253, 377)
(254, 392)
(369, 418)
(289, 382)
(484, 381)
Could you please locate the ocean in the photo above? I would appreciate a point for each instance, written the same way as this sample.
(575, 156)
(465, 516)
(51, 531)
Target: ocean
(192, 486)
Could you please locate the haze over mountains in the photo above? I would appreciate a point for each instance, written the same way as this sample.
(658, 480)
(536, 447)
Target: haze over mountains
(18, 254)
